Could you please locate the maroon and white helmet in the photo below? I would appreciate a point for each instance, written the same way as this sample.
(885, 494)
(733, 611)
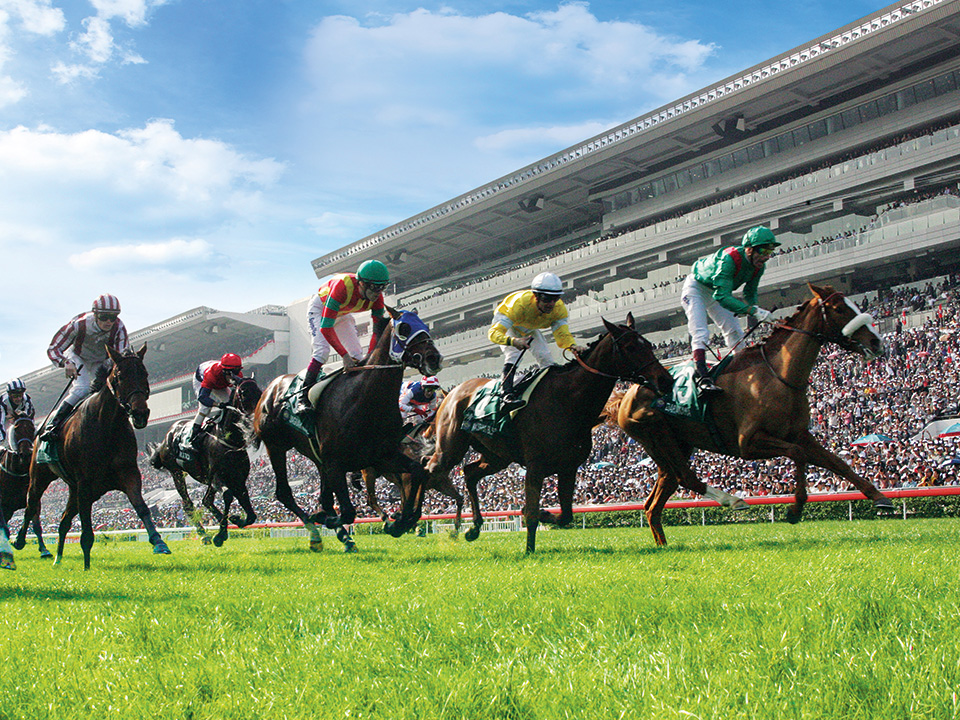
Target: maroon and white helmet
(107, 304)
(430, 382)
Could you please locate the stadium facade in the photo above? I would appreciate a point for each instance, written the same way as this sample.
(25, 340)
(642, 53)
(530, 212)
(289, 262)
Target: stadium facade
(813, 143)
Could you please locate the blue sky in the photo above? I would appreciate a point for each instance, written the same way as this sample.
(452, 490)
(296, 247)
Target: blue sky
(179, 153)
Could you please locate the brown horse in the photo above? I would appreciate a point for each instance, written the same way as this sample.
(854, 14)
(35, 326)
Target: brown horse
(552, 434)
(419, 446)
(357, 425)
(97, 453)
(15, 475)
(221, 463)
(763, 411)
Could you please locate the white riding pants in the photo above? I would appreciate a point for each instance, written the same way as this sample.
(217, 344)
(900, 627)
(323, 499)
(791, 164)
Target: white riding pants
(344, 326)
(698, 303)
(538, 348)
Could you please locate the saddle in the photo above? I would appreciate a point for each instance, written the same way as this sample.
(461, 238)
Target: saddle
(306, 423)
(485, 413)
(686, 402)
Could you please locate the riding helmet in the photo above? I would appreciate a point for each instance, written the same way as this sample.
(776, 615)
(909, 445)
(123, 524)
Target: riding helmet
(107, 304)
(547, 284)
(16, 386)
(759, 236)
(374, 271)
(231, 362)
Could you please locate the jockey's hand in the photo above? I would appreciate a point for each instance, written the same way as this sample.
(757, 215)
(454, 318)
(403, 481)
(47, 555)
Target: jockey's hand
(578, 349)
(71, 371)
(763, 315)
(348, 362)
(521, 343)
(223, 406)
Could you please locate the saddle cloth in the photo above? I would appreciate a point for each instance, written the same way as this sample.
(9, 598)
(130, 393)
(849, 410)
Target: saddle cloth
(485, 413)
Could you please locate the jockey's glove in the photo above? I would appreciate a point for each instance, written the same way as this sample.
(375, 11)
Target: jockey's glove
(763, 315)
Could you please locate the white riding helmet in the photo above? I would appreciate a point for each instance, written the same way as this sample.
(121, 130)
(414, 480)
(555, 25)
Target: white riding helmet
(547, 284)
(430, 382)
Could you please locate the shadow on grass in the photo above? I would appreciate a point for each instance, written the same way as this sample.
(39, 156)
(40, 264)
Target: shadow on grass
(61, 594)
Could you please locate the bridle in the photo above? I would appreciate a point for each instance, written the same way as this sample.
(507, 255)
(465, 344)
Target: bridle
(126, 403)
(634, 375)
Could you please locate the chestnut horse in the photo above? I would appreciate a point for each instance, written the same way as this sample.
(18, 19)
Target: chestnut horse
(221, 462)
(15, 475)
(763, 411)
(552, 433)
(357, 425)
(97, 453)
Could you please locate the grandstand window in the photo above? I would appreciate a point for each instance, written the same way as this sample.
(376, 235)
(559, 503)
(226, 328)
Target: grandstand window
(683, 178)
(741, 157)
(800, 136)
(906, 98)
(697, 172)
(834, 124)
(945, 83)
(726, 163)
(869, 111)
(712, 168)
(887, 104)
(851, 118)
(770, 147)
(924, 91)
(669, 183)
(650, 190)
(818, 129)
(785, 141)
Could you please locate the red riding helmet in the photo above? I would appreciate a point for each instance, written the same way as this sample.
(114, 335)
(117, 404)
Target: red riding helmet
(106, 304)
(231, 362)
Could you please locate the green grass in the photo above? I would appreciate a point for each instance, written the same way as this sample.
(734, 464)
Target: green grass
(827, 620)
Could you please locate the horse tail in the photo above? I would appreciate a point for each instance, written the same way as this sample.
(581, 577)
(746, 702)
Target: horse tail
(154, 458)
(610, 411)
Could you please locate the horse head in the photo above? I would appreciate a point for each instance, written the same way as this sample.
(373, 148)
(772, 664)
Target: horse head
(245, 395)
(844, 324)
(22, 433)
(128, 383)
(411, 344)
(633, 358)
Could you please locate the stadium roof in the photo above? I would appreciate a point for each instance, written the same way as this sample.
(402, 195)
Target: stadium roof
(556, 196)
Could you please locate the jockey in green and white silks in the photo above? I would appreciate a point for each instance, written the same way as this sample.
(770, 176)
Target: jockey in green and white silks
(708, 294)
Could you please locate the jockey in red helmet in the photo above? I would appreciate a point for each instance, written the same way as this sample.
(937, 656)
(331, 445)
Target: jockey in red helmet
(419, 400)
(212, 381)
(79, 348)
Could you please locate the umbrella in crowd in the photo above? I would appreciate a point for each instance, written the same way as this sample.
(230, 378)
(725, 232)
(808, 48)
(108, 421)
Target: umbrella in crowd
(874, 438)
(951, 431)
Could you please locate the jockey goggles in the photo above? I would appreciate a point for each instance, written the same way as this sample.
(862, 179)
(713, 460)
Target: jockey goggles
(107, 317)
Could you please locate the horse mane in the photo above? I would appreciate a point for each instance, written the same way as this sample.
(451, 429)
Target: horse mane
(753, 355)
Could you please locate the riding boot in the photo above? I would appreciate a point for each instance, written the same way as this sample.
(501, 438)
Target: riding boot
(507, 395)
(303, 400)
(54, 423)
(193, 441)
(704, 382)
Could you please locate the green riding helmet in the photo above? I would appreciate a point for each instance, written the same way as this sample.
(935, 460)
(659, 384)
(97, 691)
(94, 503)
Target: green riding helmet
(759, 236)
(374, 271)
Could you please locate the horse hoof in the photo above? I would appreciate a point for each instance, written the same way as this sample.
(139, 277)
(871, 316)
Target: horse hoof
(793, 517)
(19, 544)
(884, 505)
(205, 539)
(45, 554)
(6, 562)
(350, 547)
(471, 534)
(740, 504)
(218, 541)
(161, 549)
(316, 546)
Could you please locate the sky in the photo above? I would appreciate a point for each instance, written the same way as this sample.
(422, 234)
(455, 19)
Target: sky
(179, 153)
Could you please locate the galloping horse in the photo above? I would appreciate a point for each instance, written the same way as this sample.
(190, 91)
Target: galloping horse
(15, 476)
(96, 453)
(763, 411)
(357, 425)
(552, 434)
(221, 463)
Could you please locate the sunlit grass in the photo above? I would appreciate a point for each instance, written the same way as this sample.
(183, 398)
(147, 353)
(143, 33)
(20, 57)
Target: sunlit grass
(832, 620)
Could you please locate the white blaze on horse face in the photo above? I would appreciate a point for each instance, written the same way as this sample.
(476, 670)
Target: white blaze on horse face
(861, 319)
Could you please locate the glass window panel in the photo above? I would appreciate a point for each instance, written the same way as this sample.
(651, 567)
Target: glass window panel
(850, 118)
(887, 104)
(834, 124)
(712, 167)
(683, 178)
(770, 147)
(755, 152)
(869, 111)
(945, 84)
(697, 172)
(670, 183)
(726, 163)
(924, 91)
(817, 129)
(785, 141)
(906, 98)
(800, 136)
(650, 190)
(740, 157)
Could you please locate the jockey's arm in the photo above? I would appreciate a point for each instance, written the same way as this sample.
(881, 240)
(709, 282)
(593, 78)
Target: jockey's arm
(205, 398)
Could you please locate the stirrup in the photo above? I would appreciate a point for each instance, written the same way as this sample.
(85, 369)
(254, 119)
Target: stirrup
(705, 385)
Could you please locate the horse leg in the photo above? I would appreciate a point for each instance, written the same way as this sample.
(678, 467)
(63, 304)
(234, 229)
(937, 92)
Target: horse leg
(223, 533)
(665, 486)
(6, 549)
(66, 521)
(278, 461)
(472, 474)
(532, 490)
(243, 498)
(821, 457)
(38, 531)
(189, 509)
(130, 484)
(566, 485)
(446, 487)
(210, 500)
(85, 504)
(370, 486)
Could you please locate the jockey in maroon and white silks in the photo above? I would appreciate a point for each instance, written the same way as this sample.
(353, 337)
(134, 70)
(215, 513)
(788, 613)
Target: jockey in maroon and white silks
(15, 403)
(79, 348)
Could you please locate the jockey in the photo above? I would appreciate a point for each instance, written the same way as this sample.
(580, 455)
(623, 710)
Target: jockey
(212, 381)
(15, 403)
(79, 347)
(419, 401)
(330, 316)
(709, 288)
(519, 321)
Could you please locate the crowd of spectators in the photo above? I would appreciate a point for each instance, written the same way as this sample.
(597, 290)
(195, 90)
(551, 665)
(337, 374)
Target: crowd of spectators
(896, 396)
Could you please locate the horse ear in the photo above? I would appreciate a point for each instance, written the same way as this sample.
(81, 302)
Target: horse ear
(142, 351)
(114, 355)
(611, 328)
(630, 323)
(817, 291)
(395, 314)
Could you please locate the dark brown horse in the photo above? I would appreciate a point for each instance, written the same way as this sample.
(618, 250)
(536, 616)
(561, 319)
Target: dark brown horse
(419, 445)
(357, 425)
(15, 475)
(763, 411)
(97, 453)
(552, 434)
(221, 462)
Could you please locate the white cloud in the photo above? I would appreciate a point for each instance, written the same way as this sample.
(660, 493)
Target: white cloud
(35, 17)
(177, 255)
(548, 136)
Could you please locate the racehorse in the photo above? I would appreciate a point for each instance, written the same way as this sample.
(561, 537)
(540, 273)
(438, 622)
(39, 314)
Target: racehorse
(15, 475)
(357, 425)
(763, 411)
(552, 434)
(419, 446)
(96, 453)
(221, 462)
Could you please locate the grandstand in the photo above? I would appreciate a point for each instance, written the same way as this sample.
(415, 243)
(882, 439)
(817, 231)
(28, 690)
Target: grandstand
(823, 141)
